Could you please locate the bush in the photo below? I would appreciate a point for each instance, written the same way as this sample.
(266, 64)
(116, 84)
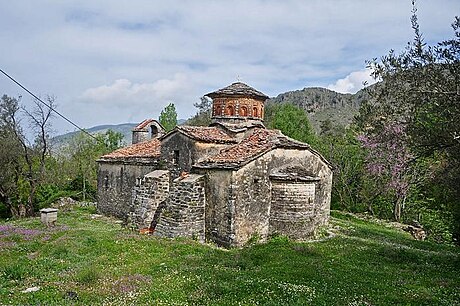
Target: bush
(437, 225)
(76, 186)
(48, 194)
(4, 211)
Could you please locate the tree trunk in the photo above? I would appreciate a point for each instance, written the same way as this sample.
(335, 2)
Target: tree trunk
(13, 210)
(29, 207)
(370, 209)
(397, 209)
(84, 189)
(21, 210)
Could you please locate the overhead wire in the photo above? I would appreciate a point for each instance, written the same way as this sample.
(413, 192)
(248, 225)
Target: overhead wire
(47, 105)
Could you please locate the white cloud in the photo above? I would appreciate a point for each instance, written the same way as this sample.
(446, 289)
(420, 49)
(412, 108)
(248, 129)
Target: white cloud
(123, 92)
(128, 60)
(126, 101)
(353, 82)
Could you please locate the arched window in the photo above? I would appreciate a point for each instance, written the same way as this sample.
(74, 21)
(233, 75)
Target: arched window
(255, 112)
(243, 111)
(153, 131)
(217, 111)
(229, 110)
(106, 182)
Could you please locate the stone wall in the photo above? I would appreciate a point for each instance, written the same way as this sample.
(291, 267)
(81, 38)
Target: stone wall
(292, 210)
(179, 152)
(252, 195)
(149, 193)
(184, 214)
(115, 182)
(293, 207)
(220, 207)
(321, 174)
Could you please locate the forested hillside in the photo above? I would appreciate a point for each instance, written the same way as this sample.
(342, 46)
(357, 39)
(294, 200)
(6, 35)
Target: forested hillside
(322, 104)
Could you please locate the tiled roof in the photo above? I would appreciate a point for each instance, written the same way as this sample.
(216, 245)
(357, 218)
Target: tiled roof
(238, 127)
(293, 173)
(258, 143)
(237, 89)
(150, 148)
(144, 124)
(206, 134)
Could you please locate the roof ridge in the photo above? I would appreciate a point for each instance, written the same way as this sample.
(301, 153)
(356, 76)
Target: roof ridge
(237, 89)
(203, 133)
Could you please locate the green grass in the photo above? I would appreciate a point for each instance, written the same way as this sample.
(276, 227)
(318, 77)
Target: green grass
(85, 261)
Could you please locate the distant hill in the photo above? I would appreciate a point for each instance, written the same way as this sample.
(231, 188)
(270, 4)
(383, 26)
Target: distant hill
(321, 104)
(123, 128)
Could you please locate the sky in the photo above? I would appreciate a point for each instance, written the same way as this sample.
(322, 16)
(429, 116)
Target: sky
(110, 62)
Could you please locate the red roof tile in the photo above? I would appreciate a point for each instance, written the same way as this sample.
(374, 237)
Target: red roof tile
(238, 89)
(144, 124)
(259, 142)
(150, 148)
(206, 134)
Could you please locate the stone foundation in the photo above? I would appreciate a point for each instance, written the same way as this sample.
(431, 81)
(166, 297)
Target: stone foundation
(184, 214)
(174, 209)
(148, 194)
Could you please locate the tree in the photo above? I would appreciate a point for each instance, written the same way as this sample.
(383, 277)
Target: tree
(291, 120)
(388, 162)
(80, 157)
(168, 117)
(203, 116)
(346, 155)
(26, 162)
(10, 153)
(420, 89)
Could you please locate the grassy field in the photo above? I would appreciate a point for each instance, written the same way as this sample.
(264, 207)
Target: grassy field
(93, 261)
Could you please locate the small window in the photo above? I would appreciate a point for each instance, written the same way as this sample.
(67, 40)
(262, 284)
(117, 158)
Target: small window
(255, 113)
(217, 111)
(121, 179)
(106, 182)
(153, 131)
(176, 157)
(229, 110)
(244, 111)
(256, 184)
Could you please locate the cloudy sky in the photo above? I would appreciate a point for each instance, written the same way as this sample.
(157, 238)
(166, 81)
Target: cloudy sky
(111, 62)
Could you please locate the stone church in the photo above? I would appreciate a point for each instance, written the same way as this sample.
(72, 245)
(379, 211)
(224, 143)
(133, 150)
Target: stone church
(224, 183)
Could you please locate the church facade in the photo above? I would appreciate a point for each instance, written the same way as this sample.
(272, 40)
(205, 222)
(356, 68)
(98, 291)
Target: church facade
(224, 183)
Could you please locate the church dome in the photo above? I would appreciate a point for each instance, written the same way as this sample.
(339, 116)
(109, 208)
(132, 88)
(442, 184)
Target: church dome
(237, 102)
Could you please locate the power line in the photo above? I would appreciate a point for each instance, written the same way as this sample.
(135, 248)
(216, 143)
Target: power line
(47, 105)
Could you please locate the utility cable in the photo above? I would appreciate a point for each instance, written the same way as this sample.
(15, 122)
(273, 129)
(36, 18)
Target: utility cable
(47, 105)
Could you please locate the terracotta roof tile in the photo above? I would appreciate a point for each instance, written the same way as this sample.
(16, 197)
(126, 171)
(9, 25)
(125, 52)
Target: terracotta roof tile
(237, 89)
(206, 134)
(259, 142)
(150, 148)
(144, 124)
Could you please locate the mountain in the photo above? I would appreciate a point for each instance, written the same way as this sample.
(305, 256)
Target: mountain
(123, 128)
(322, 104)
